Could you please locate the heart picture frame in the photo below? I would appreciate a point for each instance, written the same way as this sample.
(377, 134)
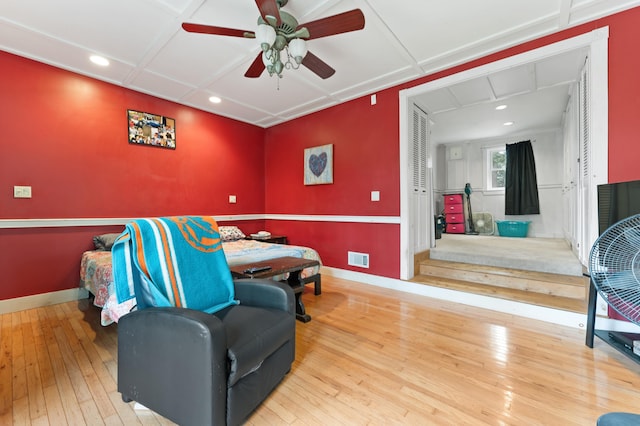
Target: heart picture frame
(318, 165)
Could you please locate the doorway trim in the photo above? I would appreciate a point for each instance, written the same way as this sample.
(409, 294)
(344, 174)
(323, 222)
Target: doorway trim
(597, 41)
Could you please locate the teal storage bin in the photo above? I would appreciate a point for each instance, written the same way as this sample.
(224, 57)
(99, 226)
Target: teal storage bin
(513, 228)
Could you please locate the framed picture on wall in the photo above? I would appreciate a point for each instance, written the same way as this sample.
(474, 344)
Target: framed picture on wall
(151, 129)
(318, 165)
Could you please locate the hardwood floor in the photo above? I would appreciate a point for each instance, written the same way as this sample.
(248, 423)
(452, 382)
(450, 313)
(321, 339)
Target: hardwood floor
(369, 356)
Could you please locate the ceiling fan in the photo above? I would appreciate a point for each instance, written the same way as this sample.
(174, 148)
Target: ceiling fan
(283, 40)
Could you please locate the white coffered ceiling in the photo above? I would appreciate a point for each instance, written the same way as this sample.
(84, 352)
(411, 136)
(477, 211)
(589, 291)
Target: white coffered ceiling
(402, 40)
(535, 95)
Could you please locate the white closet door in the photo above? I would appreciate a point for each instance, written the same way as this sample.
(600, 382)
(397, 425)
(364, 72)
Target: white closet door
(419, 176)
(586, 182)
(572, 173)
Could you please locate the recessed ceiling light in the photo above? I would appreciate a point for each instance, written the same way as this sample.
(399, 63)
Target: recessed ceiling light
(215, 99)
(99, 60)
(509, 123)
(501, 107)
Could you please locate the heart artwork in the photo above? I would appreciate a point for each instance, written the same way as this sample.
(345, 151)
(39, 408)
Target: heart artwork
(317, 163)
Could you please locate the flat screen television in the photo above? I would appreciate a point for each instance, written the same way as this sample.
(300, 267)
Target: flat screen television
(617, 201)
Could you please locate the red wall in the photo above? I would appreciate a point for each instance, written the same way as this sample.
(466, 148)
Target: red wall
(624, 96)
(366, 153)
(66, 136)
(365, 159)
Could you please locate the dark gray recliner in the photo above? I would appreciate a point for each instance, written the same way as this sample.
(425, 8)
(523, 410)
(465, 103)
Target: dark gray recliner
(619, 419)
(201, 369)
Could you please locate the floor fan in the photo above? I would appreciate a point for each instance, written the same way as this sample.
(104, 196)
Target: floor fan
(483, 223)
(614, 267)
(471, 230)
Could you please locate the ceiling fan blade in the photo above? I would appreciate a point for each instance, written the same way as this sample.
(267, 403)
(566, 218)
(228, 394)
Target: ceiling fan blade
(256, 68)
(209, 29)
(352, 20)
(317, 65)
(269, 8)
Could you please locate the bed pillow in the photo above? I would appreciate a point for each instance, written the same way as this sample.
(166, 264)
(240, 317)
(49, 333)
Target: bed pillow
(104, 241)
(230, 233)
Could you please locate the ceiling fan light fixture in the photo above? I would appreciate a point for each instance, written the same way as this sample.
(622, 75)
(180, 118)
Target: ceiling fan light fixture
(278, 68)
(298, 49)
(269, 61)
(266, 36)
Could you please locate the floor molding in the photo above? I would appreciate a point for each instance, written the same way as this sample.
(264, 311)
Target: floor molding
(43, 299)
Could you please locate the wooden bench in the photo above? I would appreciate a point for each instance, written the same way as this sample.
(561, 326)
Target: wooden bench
(282, 265)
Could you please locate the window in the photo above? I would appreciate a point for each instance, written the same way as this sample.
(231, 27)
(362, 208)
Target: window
(496, 168)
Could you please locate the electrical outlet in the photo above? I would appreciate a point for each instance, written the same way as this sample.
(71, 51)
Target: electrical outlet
(375, 195)
(21, 191)
(232, 199)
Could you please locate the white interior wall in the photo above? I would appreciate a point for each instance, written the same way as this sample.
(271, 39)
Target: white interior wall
(548, 149)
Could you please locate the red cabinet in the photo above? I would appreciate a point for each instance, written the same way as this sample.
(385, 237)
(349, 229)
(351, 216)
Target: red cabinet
(454, 213)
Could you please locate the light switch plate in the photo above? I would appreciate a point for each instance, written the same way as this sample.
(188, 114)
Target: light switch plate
(21, 191)
(375, 195)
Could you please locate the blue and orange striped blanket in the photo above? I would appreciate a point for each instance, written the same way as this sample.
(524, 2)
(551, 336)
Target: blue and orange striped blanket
(173, 261)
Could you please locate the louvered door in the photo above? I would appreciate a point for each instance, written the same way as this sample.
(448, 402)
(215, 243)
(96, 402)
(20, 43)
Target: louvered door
(420, 183)
(585, 159)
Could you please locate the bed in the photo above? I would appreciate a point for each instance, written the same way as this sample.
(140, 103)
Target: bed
(96, 274)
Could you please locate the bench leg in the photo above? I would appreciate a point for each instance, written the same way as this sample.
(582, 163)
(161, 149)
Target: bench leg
(298, 288)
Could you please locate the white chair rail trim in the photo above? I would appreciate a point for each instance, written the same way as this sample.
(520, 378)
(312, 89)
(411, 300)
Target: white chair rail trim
(78, 222)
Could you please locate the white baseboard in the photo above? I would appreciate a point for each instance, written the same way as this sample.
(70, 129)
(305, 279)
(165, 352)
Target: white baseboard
(541, 313)
(44, 299)
(616, 325)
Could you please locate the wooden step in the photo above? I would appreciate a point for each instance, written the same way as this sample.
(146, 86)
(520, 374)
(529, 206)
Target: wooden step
(533, 298)
(562, 292)
(566, 286)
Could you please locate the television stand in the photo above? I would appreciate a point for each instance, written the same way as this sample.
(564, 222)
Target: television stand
(603, 334)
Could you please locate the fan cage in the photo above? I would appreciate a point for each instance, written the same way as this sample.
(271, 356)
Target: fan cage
(614, 267)
(483, 223)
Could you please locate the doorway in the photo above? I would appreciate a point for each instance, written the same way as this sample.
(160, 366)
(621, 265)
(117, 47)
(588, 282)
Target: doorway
(596, 43)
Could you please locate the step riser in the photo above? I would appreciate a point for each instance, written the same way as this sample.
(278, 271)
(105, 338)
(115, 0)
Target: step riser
(508, 279)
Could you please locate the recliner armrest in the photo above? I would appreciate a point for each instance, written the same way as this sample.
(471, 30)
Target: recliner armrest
(265, 293)
(176, 359)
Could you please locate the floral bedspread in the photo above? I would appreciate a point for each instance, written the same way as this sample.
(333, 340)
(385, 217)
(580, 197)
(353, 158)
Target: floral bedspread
(96, 274)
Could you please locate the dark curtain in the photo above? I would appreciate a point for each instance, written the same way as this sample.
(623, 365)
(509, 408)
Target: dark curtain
(521, 185)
